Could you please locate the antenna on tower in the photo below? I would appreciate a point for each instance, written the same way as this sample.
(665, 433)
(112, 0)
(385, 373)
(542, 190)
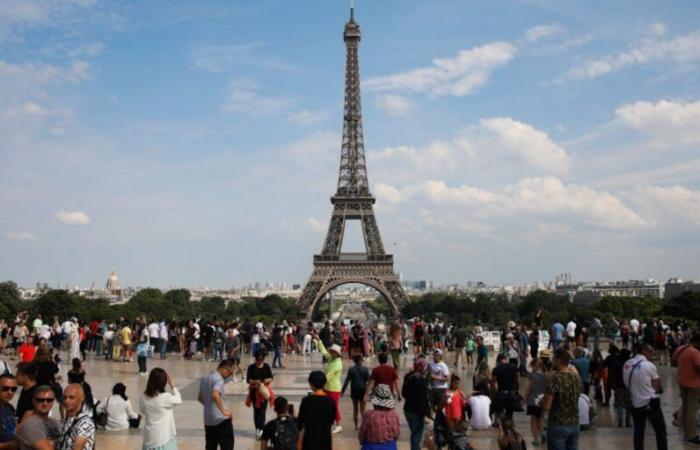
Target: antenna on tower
(352, 9)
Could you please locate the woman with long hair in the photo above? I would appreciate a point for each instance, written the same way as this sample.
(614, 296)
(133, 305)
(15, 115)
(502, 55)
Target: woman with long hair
(120, 414)
(157, 409)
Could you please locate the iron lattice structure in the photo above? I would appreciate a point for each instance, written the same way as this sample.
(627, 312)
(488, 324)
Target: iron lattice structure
(352, 201)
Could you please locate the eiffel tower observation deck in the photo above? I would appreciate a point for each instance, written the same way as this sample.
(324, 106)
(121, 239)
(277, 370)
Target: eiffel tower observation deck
(352, 201)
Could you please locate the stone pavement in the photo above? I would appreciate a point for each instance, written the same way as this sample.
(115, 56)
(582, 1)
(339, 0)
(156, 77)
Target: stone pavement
(291, 383)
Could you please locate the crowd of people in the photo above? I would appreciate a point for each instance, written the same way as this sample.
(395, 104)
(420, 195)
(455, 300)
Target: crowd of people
(560, 376)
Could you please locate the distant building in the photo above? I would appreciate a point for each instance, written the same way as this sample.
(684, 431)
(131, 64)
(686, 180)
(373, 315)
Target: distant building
(112, 286)
(587, 293)
(675, 287)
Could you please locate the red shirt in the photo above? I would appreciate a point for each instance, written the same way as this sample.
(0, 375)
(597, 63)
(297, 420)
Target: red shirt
(384, 374)
(688, 358)
(26, 352)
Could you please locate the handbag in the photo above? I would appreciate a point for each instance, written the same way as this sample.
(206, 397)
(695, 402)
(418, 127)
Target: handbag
(517, 402)
(101, 417)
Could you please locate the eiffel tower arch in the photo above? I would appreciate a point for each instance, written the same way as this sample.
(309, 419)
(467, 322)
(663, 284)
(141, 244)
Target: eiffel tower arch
(352, 202)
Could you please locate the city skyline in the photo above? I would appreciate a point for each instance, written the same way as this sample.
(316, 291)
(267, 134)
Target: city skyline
(197, 145)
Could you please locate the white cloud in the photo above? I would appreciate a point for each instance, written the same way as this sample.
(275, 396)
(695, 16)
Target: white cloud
(539, 196)
(244, 96)
(540, 32)
(394, 105)
(436, 156)
(387, 193)
(682, 50)
(20, 236)
(458, 76)
(677, 200)
(317, 226)
(73, 217)
(531, 144)
(224, 58)
(32, 109)
(678, 121)
(306, 118)
(75, 72)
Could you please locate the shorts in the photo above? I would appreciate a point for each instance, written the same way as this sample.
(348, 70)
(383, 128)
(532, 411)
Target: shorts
(419, 341)
(357, 394)
(533, 410)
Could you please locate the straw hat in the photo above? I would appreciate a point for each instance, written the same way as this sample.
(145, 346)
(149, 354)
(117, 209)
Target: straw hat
(381, 396)
(335, 348)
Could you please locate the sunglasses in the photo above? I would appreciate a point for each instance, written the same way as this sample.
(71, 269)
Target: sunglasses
(9, 388)
(44, 400)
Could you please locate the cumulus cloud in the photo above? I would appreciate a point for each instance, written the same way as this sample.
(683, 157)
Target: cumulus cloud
(73, 217)
(539, 196)
(20, 236)
(244, 96)
(306, 118)
(394, 105)
(679, 121)
(533, 145)
(683, 51)
(540, 32)
(436, 156)
(457, 76)
(387, 193)
(677, 200)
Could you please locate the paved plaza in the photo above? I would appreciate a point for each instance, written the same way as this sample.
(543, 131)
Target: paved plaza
(291, 383)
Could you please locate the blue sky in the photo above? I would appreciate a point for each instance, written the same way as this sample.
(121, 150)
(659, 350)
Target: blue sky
(197, 143)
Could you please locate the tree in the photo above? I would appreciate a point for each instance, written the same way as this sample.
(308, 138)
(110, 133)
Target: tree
(685, 306)
(148, 302)
(177, 303)
(211, 307)
(9, 299)
(59, 303)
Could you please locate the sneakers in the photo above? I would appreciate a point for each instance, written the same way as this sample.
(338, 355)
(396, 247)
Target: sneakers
(258, 434)
(694, 441)
(337, 429)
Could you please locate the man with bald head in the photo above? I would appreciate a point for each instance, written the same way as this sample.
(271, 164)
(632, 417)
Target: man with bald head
(78, 430)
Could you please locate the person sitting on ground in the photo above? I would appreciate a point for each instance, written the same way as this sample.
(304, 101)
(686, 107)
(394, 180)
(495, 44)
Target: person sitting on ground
(281, 433)
(380, 427)
(120, 414)
(508, 436)
(585, 412)
(479, 408)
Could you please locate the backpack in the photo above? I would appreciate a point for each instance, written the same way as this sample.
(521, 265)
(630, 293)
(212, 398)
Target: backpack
(286, 435)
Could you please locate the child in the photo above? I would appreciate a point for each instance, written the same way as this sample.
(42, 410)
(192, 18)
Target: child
(460, 439)
(281, 433)
(508, 437)
(358, 376)
(454, 403)
(470, 349)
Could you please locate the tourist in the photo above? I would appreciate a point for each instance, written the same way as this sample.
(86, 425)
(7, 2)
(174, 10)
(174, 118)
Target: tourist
(384, 374)
(233, 350)
(585, 412)
(76, 375)
(38, 431)
(508, 436)
(561, 403)
(142, 351)
(597, 330)
(8, 388)
(125, 339)
(259, 377)
(417, 404)
(277, 342)
(218, 424)
(479, 407)
(78, 429)
(505, 382)
(523, 343)
(395, 344)
(27, 350)
(557, 335)
(418, 337)
(482, 351)
(157, 409)
(26, 377)
(582, 365)
(439, 376)
(108, 338)
(687, 359)
(163, 339)
(635, 328)
(73, 338)
(334, 370)
(470, 346)
(316, 415)
(358, 377)
(117, 407)
(281, 433)
(455, 401)
(642, 379)
(535, 390)
(380, 426)
(459, 341)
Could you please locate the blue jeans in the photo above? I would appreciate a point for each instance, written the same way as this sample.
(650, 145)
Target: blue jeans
(562, 438)
(416, 423)
(277, 358)
(163, 347)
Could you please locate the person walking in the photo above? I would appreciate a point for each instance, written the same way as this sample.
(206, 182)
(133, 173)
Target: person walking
(416, 406)
(316, 415)
(642, 380)
(505, 382)
(687, 359)
(384, 374)
(561, 403)
(78, 429)
(357, 377)
(157, 409)
(38, 431)
(380, 427)
(439, 375)
(259, 377)
(536, 388)
(281, 433)
(218, 424)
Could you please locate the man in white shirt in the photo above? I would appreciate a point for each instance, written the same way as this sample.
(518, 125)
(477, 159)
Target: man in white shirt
(571, 331)
(635, 328)
(163, 339)
(584, 411)
(642, 380)
(439, 374)
(480, 418)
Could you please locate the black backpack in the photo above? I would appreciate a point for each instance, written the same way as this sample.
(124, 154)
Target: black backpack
(286, 435)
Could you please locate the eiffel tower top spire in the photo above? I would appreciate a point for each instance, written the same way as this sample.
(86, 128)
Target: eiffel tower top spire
(352, 178)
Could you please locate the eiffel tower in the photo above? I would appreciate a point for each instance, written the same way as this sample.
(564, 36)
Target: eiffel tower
(352, 201)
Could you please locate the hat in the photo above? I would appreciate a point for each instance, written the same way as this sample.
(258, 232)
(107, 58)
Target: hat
(437, 352)
(546, 353)
(335, 348)
(381, 396)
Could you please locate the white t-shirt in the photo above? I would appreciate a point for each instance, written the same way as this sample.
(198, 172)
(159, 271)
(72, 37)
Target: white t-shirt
(45, 331)
(163, 331)
(584, 409)
(480, 406)
(119, 411)
(634, 324)
(640, 387)
(153, 329)
(571, 329)
(439, 369)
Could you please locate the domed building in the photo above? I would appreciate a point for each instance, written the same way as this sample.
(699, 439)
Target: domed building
(112, 286)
